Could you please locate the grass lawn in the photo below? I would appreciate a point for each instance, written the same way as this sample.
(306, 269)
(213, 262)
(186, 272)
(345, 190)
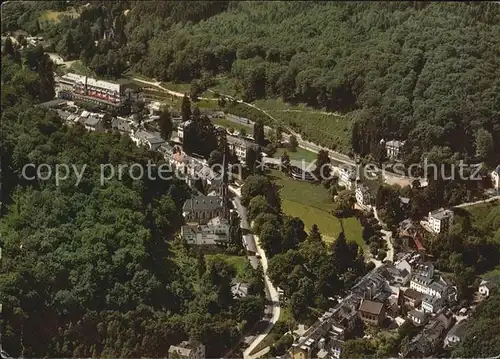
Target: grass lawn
(238, 262)
(299, 155)
(312, 204)
(273, 337)
(234, 125)
(325, 128)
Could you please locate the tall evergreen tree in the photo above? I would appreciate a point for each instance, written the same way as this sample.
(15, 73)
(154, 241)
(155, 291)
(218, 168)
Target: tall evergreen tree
(186, 108)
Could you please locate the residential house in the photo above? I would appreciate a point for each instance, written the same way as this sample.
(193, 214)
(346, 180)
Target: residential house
(347, 177)
(440, 220)
(431, 304)
(393, 149)
(456, 334)
(495, 178)
(372, 312)
(216, 231)
(238, 289)
(143, 138)
(411, 298)
(202, 209)
(428, 340)
(93, 123)
(417, 317)
(303, 171)
(187, 350)
(485, 288)
(121, 125)
(239, 147)
(363, 195)
(399, 276)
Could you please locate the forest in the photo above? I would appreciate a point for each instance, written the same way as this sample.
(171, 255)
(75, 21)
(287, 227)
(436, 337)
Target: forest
(96, 270)
(421, 71)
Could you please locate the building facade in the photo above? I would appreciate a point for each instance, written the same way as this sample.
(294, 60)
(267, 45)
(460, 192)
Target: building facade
(371, 312)
(393, 149)
(440, 220)
(216, 231)
(73, 86)
(363, 195)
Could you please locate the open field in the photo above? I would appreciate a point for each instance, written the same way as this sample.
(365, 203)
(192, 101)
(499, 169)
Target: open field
(299, 155)
(232, 124)
(177, 87)
(312, 204)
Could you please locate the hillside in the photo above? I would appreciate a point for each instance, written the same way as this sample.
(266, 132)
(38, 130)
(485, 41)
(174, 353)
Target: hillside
(423, 71)
(426, 72)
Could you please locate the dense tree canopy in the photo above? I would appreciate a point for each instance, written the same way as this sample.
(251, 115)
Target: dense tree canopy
(93, 268)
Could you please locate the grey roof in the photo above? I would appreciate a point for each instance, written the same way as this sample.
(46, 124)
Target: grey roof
(52, 103)
(63, 114)
(202, 203)
(438, 287)
(120, 125)
(417, 314)
(371, 307)
(92, 121)
(497, 170)
(458, 329)
(231, 140)
(488, 284)
(412, 293)
(441, 213)
(422, 279)
(430, 299)
(395, 143)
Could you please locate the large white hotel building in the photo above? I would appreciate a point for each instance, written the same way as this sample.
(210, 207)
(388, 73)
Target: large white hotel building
(73, 86)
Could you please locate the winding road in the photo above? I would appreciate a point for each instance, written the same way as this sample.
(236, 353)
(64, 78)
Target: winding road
(252, 245)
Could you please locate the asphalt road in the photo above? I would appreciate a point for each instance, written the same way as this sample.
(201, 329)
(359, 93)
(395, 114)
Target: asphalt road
(271, 292)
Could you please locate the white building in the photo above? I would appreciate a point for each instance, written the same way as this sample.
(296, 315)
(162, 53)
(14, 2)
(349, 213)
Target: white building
(180, 130)
(239, 146)
(73, 86)
(394, 148)
(440, 220)
(428, 286)
(216, 231)
(363, 195)
(485, 288)
(495, 178)
(187, 350)
(417, 317)
(347, 177)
